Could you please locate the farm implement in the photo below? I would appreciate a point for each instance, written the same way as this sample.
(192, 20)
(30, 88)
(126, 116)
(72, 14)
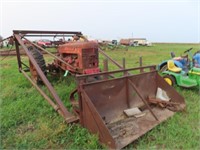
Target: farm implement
(183, 71)
(119, 106)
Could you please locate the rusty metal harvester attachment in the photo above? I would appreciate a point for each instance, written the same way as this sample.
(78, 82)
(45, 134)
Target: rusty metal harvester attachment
(102, 105)
(119, 106)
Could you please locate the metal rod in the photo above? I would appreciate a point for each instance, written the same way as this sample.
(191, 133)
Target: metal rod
(48, 35)
(18, 54)
(114, 62)
(44, 32)
(24, 64)
(55, 107)
(144, 101)
(126, 83)
(66, 114)
(6, 38)
(42, 93)
(116, 71)
(118, 78)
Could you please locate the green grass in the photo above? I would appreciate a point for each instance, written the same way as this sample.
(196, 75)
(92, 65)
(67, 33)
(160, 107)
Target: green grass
(28, 121)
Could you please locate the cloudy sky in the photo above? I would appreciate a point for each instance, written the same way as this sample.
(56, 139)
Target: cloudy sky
(156, 20)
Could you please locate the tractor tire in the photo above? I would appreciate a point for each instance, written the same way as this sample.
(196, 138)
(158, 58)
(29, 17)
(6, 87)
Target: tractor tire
(170, 80)
(37, 55)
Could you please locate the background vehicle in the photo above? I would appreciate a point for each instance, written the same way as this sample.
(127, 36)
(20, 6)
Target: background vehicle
(187, 80)
(44, 43)
(182, 70)
(185, 61)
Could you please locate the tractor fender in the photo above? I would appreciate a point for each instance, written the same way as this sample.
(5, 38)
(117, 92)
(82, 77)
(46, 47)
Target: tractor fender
(161, 65)
(177, 63)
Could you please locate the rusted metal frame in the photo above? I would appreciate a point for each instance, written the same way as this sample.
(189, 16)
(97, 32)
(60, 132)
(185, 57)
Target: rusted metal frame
(80, 102)
(18, 54)
(116, 71)
(48, 35)
(101, 126)
(144, 101)
(113, 79)
(24, 64)
(51, 54)
(6, 38)
(126, 83)
(44, 32)
(42, 93)
(68, 116)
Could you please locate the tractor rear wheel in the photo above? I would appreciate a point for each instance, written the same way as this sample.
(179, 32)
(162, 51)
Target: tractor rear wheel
(170, 80)
(37, 55)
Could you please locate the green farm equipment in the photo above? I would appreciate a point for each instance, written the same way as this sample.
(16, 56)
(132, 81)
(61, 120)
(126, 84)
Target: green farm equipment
(175, 75)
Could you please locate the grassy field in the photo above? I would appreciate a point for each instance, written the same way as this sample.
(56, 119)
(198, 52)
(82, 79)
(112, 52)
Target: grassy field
(28, 121)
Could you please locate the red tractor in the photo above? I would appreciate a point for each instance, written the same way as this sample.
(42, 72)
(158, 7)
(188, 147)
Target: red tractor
(81, 55)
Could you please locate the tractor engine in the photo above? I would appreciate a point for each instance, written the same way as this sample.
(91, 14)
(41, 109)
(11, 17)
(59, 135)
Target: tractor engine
(82, 56)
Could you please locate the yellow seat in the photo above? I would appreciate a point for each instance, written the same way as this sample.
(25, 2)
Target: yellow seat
(171, 66)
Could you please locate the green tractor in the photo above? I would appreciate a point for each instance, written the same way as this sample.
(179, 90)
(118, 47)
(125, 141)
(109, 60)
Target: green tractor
(185, 74)
(190, 79)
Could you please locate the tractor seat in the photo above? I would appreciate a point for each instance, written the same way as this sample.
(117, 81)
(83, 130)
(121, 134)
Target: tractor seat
(171, 66)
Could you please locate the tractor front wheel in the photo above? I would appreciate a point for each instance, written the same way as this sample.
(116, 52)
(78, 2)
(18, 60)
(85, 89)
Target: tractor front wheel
(170, 80)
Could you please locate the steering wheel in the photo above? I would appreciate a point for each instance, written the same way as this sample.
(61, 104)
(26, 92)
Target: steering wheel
(188, 50)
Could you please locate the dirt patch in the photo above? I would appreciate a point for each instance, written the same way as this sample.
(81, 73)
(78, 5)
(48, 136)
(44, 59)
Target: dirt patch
(22, 129)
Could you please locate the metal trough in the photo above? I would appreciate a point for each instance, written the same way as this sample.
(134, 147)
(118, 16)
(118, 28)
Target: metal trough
(102, 104)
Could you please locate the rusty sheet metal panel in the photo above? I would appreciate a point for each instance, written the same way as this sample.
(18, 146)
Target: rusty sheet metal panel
(80, 54)
(103, 104)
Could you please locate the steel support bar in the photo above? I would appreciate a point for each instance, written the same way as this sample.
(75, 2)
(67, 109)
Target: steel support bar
(6, 38)
(116, 71)
(114, 62)
(66, 114)
(44, 32)
(144, 101)
(48, 35)
(42, 93)
(56, 108)
(18, 54)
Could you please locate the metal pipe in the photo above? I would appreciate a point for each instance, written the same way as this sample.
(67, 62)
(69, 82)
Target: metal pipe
(42, 93)
(44, 32)
(118, 78)
(18, 55)
(116, 71)
(144, 101)
(66, 114)
(55, 107)
(47, 35)
(114, 62)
